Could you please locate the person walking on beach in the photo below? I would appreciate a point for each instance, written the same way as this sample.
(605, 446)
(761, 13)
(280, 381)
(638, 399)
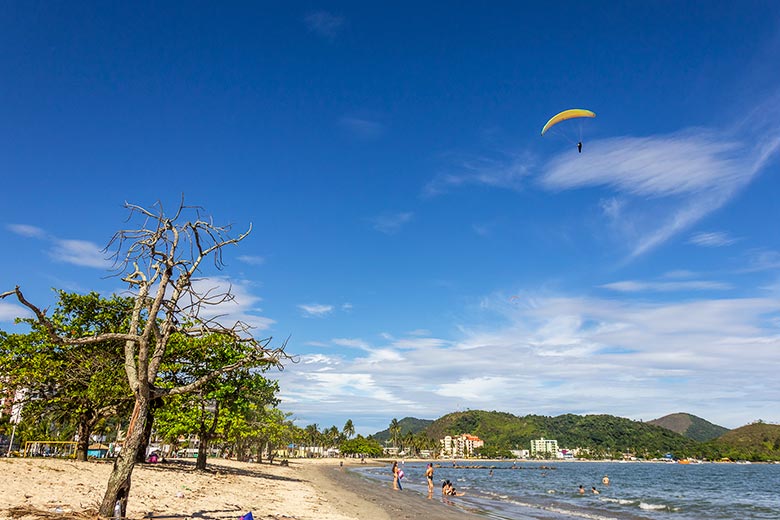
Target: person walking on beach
(396, 477)
(429, 478)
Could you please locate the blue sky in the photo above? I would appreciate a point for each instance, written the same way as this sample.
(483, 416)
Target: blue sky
(424, 247)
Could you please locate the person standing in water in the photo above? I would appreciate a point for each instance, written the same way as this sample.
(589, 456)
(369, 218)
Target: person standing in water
(429, 478)
(605, 480)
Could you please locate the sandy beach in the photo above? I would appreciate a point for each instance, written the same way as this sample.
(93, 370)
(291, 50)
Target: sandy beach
(305, 490)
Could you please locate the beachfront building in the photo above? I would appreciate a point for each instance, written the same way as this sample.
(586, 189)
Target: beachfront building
(460, 446)
(544, 448)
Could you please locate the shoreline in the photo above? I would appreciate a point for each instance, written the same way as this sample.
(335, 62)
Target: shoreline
(307, 489)
(378, 499)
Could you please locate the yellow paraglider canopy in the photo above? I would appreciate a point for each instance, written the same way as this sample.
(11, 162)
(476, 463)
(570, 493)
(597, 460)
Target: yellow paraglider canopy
(567, 114)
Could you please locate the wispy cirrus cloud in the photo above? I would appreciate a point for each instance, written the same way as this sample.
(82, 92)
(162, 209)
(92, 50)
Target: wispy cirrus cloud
(26, 230)
(391, 223)
(317, 310)
(251, 259)
(656, 286)
(508, 172)
(79, 252)
(667, 183)
(712, 239)
(71, 251)
(325, 24)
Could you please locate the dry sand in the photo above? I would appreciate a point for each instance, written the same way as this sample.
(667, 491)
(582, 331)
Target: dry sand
(315, 489)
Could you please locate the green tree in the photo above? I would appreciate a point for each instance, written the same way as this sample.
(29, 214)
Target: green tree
(76, 382)
(349, 429)
(218, 404)
(360, 446)
(159, 261)
(395, 431)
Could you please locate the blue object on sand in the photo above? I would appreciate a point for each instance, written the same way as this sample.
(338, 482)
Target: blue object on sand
(248, 516)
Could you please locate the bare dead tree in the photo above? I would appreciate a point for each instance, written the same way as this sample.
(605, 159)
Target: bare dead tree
(159, 261)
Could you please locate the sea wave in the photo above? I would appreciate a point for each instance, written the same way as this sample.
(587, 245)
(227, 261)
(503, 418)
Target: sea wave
(621, 501)
(655, 507)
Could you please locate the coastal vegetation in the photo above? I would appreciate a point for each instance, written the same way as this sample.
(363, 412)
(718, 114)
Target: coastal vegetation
(599, 436)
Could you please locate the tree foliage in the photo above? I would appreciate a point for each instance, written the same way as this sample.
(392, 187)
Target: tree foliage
(159, 261)
(70, 383)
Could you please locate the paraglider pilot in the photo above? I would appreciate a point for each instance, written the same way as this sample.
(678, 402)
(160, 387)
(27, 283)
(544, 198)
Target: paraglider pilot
(579, 147)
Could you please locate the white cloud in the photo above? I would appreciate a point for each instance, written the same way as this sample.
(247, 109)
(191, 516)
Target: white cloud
(251, 260)
(634, 359)
(26, 230)
(351, 343)
(10, 311)
(712, 239)
(242, 308)
(79, 252)
(391, 223)
(324, 24)
(689, 285)
(667, 183)
(71, 251)
(315, 309)
(507, 172)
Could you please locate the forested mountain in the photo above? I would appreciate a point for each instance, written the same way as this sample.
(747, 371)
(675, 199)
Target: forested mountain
(601, 435)
(757, 441)
(408, 425)
(690, 426)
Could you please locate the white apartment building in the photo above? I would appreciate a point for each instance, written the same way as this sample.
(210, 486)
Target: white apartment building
(460, 445)
(544, 446)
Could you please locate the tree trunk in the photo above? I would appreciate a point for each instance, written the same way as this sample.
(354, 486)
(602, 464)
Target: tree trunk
(154, 404)
(203, 448)
(118, 488)
(84, 431)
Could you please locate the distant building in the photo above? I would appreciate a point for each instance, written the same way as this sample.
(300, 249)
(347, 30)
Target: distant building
(460, 446)
(544, 447)
(520, 454)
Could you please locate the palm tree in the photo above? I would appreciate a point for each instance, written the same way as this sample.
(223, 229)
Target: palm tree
(395, 431)
(409, 443)
(313, 435)
(349, 429)
(332, 435)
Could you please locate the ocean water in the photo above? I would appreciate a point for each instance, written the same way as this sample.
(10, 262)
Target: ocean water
(637, 490)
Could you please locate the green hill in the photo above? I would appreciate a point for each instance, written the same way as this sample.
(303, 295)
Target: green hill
(407, 424)
(690, 426)
(756, 442)
(602, 435)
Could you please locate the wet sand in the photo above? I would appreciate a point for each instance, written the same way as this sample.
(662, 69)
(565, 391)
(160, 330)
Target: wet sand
(363, 498)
